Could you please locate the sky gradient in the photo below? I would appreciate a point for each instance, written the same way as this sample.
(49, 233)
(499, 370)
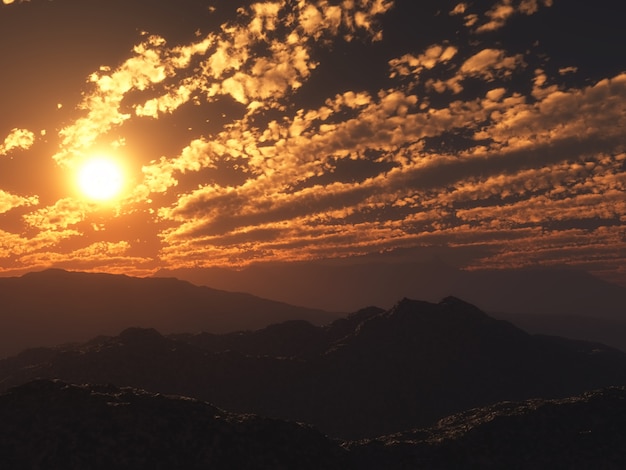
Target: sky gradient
(487, 132)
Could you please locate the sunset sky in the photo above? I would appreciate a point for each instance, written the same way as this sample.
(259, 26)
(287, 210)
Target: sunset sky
(492, 133)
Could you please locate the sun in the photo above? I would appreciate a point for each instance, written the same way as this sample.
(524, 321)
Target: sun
(100, 178)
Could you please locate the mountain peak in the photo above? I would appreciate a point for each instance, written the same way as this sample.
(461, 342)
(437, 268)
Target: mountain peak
(456, 302)
(448, 305)
(141, 335)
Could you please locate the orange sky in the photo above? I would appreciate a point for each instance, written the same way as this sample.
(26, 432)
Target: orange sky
(302, 130)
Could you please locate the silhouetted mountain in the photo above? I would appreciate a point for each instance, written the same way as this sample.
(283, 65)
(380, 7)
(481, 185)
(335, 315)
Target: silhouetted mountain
(56, 306)
(602, 330)
(347, 287)
(52, 424)
(575, 304)
(374, 372)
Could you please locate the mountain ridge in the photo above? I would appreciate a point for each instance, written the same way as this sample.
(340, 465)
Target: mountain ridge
(541, 300)
(57, 306)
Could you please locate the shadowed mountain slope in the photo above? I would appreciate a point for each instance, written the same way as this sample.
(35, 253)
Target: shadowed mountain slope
(56, 306)
(52, 424)
(372, 373)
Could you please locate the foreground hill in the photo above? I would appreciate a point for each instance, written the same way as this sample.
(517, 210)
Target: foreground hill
(372, 373)
(51, 424)
(575, 433)
(56, 306)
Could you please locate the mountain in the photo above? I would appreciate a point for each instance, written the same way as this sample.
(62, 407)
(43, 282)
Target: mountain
(374, 372)
(563, 302)
(602, 330)
(56, 306)
(53, 424)
(348, 287)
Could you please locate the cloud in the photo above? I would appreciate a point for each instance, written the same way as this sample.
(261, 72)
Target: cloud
(227, 67)
(410, 64)
(17, 247)
(151, 64)
(114, 256)
(10, 201)
(487, 64)
(459, 9)
(505, 9)
(17, 139)
(60, 216)
(537, 153)
(247, 146)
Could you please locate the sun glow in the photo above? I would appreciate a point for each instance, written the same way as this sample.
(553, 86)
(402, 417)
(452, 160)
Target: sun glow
(100, 178)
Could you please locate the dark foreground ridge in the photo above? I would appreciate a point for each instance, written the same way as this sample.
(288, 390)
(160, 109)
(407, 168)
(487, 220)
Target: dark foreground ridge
(373, 373)
(52, 424)
(576, 433)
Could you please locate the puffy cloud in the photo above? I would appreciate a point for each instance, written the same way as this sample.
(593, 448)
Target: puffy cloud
(11, 201)
(505, 9)
(490, 61)
(151, 64)
(59, 216)
(280, 213)
(413, 65)
(459, 9)
(17, 139)
(228, 67)
(487, 64)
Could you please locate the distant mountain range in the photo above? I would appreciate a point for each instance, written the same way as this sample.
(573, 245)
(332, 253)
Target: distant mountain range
(56, 306)
(348, 287)
(563, 302)
(374, 372)
(52, 424)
